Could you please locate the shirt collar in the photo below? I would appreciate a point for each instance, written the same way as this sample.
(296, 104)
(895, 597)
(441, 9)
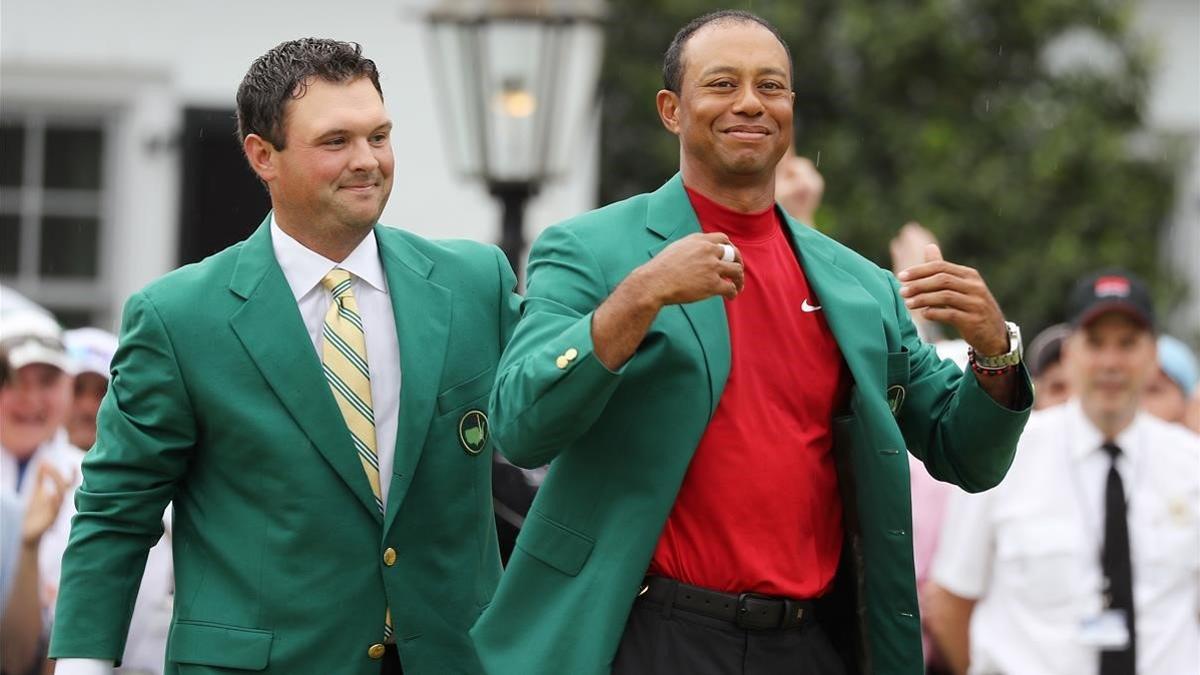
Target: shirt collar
(1084, 438)
(304, 268)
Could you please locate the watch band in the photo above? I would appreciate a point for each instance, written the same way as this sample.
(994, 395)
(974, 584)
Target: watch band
(1001, 361)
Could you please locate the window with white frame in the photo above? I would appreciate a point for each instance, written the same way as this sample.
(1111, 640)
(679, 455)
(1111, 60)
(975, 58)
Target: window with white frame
(52, 172)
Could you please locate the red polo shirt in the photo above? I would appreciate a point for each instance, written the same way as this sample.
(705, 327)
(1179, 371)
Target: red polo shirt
(759, 509)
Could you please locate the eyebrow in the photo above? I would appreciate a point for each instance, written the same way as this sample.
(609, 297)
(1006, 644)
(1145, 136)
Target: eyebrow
(714, 70)
(386, 126)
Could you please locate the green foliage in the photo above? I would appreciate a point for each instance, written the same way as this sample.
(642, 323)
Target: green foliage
(947, 112)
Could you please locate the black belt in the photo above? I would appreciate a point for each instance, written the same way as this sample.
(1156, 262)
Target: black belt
(745, 610)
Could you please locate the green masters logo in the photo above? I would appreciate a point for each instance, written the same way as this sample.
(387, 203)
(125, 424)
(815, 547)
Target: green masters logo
(473, 431)
(895, 398)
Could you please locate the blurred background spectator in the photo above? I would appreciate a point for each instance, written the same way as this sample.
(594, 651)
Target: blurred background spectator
(1044, 360)
(91, 350)
(39, 469)
(1086, 558)
(43, 406)
(1173, 383)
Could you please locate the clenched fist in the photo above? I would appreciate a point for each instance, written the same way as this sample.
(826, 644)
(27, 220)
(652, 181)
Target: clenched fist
(691, 269)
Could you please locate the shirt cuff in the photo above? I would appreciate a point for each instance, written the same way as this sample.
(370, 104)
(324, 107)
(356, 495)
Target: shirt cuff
(83, 667)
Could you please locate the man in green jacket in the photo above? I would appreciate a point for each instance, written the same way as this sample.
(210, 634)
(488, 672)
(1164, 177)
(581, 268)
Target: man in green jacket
(311, 401)
(726, 428)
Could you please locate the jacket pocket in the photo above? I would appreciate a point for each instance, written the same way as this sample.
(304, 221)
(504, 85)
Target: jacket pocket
(211, 644)
(463, 393)
(897, 367)
(556, 545)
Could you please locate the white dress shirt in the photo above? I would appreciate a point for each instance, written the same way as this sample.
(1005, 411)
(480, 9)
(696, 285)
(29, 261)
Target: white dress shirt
(1029, 550)
(304, 269)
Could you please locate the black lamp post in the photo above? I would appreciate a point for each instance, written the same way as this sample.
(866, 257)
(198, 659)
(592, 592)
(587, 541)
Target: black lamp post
(518, 78)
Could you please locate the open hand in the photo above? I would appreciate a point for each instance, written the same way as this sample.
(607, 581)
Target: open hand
(49, 489)
(938, 290)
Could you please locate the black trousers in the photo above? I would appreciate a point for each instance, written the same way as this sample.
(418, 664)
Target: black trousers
(672, 641)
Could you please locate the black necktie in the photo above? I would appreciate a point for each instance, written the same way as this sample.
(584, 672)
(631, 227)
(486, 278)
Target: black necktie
(1118, 569)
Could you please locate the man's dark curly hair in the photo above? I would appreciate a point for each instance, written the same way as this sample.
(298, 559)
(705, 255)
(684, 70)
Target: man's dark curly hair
(673, 59)
(284, 73)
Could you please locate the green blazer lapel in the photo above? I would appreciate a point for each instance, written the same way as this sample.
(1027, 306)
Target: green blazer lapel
(670, 217)
(271, 330)
(422, 309)
(852, 313)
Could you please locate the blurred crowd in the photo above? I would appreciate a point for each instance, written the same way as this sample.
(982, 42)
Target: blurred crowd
(1005, 577)
(53, 384)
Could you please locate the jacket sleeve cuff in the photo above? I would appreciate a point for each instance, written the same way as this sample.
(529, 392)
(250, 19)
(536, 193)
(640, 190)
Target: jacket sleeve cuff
(573, 387)
(83, 667)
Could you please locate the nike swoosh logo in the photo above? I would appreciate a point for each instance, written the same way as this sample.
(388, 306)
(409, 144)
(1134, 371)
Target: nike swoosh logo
(807, 308)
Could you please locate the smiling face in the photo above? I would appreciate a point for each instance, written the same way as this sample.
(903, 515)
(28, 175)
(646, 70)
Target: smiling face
(733, 113)
(334, 176)
(33, 405)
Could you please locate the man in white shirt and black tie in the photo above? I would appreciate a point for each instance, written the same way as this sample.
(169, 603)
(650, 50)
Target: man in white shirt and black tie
(1086, 559)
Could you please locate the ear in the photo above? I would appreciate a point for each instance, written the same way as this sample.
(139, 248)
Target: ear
(668, 110)
(261, 155)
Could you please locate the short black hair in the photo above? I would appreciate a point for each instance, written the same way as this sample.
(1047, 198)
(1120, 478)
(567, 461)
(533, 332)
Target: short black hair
(284, 73)
(673, 59)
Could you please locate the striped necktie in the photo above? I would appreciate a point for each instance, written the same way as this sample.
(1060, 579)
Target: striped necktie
(345, 360)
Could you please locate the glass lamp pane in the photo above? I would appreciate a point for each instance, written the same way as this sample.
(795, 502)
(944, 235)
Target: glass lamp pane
(581, 54)
(514, 98)
(455, 72)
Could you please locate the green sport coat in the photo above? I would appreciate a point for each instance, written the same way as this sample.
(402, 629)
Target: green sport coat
(619, 443)
(219, 404)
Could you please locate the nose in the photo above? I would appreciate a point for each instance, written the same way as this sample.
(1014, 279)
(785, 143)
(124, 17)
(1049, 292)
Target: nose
(1111, 357)
(748, 103)
(362, 156)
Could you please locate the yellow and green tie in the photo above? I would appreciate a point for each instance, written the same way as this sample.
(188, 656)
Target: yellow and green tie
(345, 360)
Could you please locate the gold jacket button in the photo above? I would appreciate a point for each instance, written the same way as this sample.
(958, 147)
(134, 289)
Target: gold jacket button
(562, 362)
(571, 354)
(376, 651)
(389, 557)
